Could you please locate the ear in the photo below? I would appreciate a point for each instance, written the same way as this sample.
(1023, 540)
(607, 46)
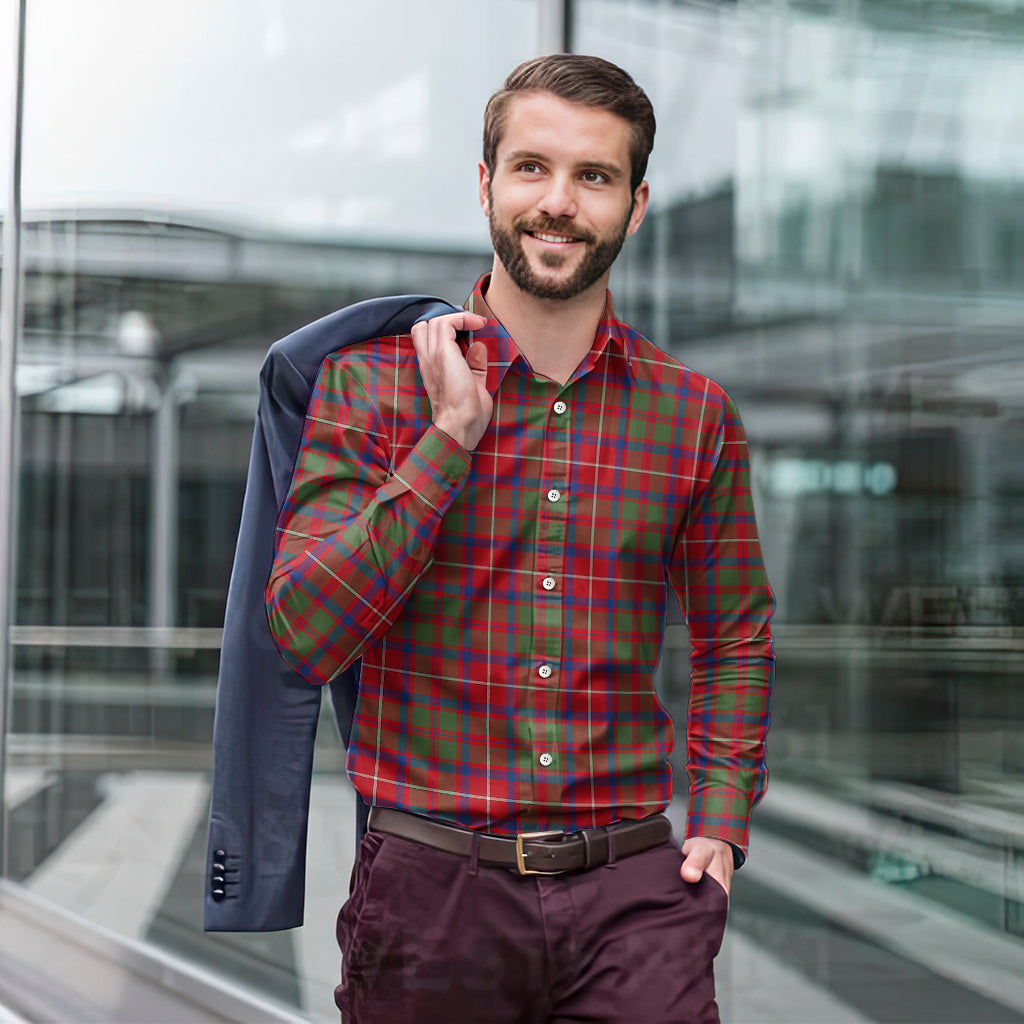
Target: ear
(485, 183)
(641, 197)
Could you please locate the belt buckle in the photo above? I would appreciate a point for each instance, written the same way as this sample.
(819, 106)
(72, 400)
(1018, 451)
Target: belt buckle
(521, 856)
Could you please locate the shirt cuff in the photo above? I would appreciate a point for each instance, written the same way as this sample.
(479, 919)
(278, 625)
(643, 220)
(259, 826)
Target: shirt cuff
(434, 471)
(724, 814)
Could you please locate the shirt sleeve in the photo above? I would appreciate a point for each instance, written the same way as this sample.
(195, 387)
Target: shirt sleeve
(356, 531)
(718, 574)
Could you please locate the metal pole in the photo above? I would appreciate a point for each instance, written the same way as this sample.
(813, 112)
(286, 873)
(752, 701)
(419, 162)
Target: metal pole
(10, 318)
(553, 23)
(163, 546)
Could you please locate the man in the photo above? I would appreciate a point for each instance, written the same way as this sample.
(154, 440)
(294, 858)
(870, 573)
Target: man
(486, 513)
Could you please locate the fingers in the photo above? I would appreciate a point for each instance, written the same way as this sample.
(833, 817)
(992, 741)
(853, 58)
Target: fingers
(472, 321)
(434, 339)
(456, 386)
(449, 324)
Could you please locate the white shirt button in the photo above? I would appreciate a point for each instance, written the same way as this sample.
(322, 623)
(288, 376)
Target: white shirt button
(554, 495)
(544, 671)
(548, 583)
(545, 759)
(560, 407)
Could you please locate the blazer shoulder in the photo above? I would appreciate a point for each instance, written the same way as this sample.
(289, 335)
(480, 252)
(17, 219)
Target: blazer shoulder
(361, 321)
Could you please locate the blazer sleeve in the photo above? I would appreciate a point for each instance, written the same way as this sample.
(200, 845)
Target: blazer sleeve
(266, 714)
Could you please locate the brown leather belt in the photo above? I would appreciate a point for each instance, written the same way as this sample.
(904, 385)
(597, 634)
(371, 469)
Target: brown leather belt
(529, 853)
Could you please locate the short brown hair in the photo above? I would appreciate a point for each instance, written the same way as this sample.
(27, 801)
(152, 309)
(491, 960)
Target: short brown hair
(591, 81)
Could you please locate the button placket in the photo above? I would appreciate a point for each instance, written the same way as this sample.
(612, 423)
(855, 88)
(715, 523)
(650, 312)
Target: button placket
(549, 597)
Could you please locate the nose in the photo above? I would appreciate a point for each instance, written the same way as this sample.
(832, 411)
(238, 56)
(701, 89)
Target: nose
(559, 198)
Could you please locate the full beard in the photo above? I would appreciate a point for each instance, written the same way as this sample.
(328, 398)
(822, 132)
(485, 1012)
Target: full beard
(508, 247)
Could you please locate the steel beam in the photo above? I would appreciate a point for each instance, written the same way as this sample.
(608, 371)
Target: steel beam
(10, 323)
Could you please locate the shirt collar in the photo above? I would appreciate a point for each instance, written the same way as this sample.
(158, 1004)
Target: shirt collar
(613, 337)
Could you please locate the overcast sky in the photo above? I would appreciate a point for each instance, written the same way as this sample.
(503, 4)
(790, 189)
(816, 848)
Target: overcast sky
(363, 119)
(336, 117)
(326, 116)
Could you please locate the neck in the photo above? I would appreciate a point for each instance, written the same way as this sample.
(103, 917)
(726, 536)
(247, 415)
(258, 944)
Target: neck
(553, 334)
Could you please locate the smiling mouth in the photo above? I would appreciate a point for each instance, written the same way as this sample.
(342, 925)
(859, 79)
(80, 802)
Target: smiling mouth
(546, 237)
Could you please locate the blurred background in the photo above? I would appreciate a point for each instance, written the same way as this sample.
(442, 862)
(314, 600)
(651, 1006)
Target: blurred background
(836, 236)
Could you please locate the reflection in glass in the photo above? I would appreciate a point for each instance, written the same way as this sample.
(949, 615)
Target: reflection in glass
(201, 178)
(836, 237)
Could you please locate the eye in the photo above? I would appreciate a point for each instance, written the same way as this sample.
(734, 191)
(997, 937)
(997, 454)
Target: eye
(529, 167)
(594, 177)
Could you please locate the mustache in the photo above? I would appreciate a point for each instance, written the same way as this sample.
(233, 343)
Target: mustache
(552, 226)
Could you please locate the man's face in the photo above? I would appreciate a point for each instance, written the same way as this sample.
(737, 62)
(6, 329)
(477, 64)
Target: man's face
(559, 203)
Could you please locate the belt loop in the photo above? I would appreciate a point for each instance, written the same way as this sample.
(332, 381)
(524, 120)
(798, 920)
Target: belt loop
(474, 853)
(585, 833)
(611, 847)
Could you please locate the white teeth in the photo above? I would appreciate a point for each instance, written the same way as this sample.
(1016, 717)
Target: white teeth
(551, 238)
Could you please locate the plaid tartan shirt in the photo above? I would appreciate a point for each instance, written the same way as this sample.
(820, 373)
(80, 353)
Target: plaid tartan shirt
(509, 604)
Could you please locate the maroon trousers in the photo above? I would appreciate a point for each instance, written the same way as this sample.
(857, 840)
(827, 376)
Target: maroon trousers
(430, 937)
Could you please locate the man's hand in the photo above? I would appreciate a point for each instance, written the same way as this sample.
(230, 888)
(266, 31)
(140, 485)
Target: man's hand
(456, 386)
(711, 855)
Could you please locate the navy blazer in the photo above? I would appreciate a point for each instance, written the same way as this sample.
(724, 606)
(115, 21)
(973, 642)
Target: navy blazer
(266, 713)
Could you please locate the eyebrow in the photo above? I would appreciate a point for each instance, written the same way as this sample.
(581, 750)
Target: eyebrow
(613, 171)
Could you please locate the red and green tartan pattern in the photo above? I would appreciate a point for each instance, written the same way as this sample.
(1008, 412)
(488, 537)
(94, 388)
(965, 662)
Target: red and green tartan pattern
(508, 633)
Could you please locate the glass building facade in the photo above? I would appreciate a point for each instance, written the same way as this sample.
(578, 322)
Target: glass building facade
(836, 235)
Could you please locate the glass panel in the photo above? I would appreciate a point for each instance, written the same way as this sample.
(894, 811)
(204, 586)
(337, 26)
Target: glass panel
(8, 55)
(201, 178)
(836, 237)
(8, 26)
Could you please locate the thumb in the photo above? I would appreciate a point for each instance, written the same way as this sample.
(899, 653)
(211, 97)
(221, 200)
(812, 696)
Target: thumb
(476, 356)
(691, 870)
(694, 864)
